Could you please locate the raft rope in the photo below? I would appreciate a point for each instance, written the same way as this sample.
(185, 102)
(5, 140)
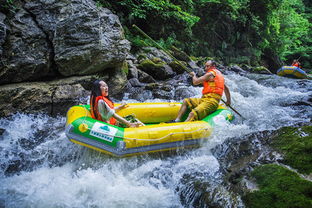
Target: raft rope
(201, 129)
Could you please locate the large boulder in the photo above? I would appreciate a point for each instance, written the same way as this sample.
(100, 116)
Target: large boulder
(53, 97)
(68, 37)
(25, 51)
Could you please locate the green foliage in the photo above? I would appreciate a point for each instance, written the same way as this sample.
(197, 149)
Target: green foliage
(147, 9)
(232, 30)
(296, 146)
(279, 187)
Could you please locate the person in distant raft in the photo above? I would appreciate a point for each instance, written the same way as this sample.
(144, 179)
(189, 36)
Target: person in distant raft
(102, 107)
(296, 63)
(213, 82)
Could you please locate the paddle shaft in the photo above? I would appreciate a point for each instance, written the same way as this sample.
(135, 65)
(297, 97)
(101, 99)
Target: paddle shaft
(234, 110)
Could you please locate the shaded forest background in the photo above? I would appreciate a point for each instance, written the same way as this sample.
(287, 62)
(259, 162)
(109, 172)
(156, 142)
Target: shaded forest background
(254, 32)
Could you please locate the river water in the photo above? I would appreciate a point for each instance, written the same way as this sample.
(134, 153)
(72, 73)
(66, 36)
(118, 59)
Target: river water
(39, 167)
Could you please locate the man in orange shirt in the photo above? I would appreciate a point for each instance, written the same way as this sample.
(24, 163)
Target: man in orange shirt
(213, 82)
(296, 63)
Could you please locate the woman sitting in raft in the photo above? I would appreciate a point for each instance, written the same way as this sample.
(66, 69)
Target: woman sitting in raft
(102, 108)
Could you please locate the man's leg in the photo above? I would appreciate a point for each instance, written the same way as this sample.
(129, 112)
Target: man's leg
(181, 111)
(190, 116)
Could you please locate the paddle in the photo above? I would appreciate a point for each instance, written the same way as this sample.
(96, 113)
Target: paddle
(183, 66)
(234, 110)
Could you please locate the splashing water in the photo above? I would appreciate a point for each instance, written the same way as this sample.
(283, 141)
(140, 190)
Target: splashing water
(41, 168)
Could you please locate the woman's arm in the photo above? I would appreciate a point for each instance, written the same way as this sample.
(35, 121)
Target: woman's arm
(121, 106)
(122, 120)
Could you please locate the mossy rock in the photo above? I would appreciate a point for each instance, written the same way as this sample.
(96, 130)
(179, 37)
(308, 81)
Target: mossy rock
(261, 69)
(157, 60)
(177, 67)
(141, 57)
(279, 187)
(159, 70)
(151, 86)
(296, 146)
(125, 68)
(147, 63)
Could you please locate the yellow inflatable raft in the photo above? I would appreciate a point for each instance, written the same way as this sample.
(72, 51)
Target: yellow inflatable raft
(155, 136)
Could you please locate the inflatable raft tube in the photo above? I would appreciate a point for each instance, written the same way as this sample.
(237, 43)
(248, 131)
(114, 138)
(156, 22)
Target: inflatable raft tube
(155, 136)
(292, 72)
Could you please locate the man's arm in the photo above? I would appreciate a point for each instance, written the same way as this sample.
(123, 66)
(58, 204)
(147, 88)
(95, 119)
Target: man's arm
(200, 80)
(227, 95)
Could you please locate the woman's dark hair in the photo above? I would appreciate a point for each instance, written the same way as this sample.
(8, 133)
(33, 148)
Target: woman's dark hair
(95, 92)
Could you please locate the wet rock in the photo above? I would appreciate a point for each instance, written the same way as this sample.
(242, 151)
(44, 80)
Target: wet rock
(48, 39)
(54, 97)
(236, 155)
(198, 70)
(236, 69)
(261, 70)
(13, 167)
(157, 69)
(144, 77)
(246, 67)
(117, 80)
(140, 94)
(176, 67)
(3, 31)
(161, 91)
(26, 97)
(133, 71)
(200, 191)
(289, 146)
(134, 82)
(2, 131)
(182, 92)
(65, 96)
(152, 52)
(84, 42)
(25, 53)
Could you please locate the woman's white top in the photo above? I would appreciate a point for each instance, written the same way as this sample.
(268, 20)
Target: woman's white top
(105, 111)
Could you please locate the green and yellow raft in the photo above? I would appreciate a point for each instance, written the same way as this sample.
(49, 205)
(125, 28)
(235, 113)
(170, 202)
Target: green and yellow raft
(155, 136)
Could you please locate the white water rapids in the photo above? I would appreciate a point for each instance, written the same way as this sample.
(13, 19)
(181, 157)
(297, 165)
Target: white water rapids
(39, 167)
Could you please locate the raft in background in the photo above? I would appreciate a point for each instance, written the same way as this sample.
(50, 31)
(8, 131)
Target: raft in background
(153, 137)
(292, 72)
